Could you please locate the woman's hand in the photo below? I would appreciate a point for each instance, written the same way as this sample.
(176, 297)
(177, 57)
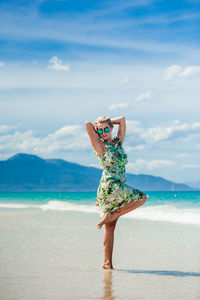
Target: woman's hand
(118, 120)
(122, 127)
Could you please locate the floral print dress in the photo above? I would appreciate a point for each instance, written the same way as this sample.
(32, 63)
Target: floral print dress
(113, 192)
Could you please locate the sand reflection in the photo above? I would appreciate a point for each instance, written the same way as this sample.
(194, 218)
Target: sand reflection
(107, 286)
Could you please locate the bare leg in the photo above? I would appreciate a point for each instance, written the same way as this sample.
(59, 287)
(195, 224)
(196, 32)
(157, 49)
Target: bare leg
(108, 242)
(110, 217)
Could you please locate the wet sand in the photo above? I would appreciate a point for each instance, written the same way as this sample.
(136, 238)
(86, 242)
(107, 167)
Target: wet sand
(58, 255)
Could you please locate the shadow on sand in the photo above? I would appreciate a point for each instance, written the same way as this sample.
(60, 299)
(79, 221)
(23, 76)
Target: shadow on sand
(159, 272)
(108, 286)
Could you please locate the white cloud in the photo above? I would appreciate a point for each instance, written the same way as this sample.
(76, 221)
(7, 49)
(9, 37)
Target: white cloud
(5, 128)
(140, 165)
(189, 166)
(74, 137)
(116, 106)
(56, 64)
(2, 64)
(172, 71)
(143, 96)
(174, 130)
(85, 74)
(65, 131)
(135, 148)
(124, 80)
(67, 138)
(182, 155)
(133, 127)
(189, 71)
(196, 125)
(178, 71)
(174, 137)
(158, 163)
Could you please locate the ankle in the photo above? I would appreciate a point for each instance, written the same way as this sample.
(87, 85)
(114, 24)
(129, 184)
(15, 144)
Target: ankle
(107, 262)
(107, 266)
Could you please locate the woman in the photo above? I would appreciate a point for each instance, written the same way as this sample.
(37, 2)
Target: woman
(114, 197)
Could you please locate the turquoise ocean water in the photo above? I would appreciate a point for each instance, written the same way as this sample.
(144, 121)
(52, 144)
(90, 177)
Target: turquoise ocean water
(180, 207)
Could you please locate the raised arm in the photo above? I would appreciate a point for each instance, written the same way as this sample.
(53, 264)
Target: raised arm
(122, 127)
(94, 138)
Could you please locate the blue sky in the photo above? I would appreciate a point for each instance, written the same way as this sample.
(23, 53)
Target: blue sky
(65, 62)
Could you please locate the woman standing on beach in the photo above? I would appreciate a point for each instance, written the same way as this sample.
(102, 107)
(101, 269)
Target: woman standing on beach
(114, 197)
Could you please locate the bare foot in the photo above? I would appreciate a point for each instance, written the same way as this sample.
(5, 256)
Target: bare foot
(107, 219)
(107, 266)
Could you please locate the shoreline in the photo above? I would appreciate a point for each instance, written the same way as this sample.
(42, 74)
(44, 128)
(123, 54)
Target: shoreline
(18, 210)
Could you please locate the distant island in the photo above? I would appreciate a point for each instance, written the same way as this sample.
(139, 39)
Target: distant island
(28, 173)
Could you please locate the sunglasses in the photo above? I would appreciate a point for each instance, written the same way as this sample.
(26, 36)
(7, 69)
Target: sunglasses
(100, 131)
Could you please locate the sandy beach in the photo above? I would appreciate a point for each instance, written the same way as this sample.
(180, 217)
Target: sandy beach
(58, 255)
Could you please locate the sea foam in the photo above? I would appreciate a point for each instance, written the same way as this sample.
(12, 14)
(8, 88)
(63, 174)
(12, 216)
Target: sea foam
(167, 213)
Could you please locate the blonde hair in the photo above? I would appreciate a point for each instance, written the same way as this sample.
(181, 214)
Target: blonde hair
(103, 119)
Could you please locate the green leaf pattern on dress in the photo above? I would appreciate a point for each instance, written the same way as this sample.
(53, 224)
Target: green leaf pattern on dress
(113, 192)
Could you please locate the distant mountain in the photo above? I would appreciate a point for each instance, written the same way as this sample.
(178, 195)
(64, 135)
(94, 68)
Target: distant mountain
(26, 172)
(195, 184)
(154, 183)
